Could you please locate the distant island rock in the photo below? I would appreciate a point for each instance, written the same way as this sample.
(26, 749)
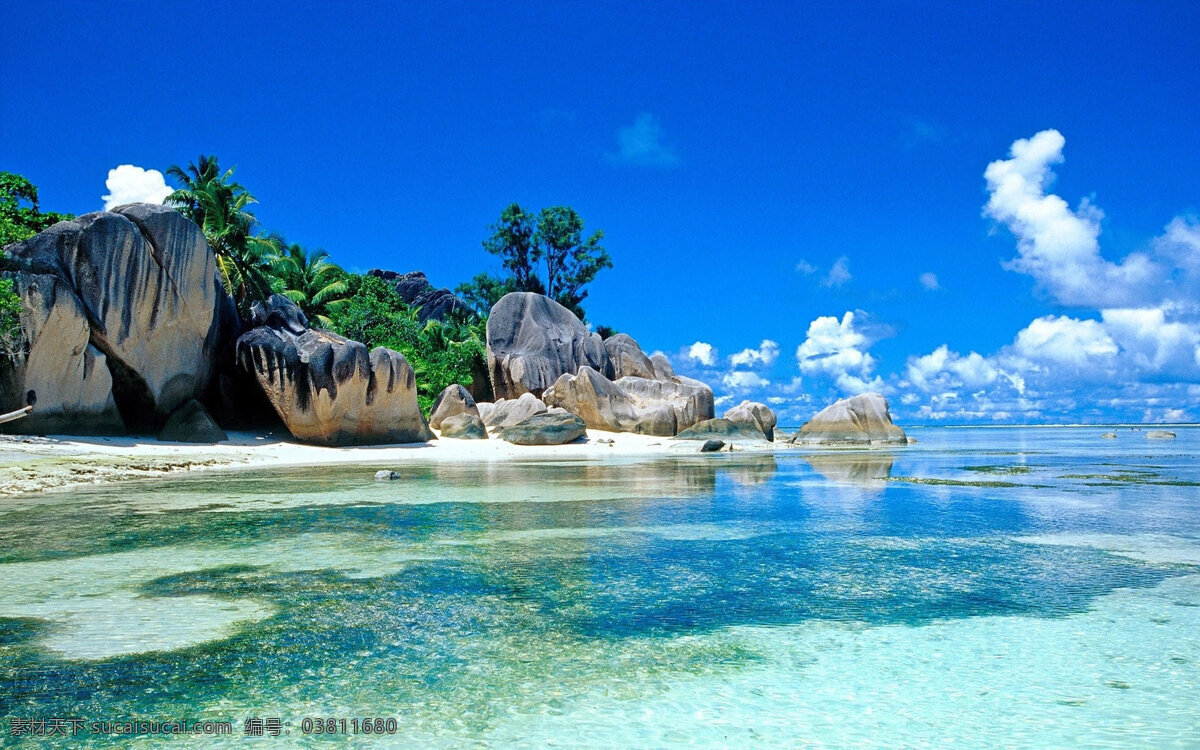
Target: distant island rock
(861, 419)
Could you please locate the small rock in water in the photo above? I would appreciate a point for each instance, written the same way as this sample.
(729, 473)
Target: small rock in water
(1160, 435)
(712, 446)
(384, 475)
(604, 441)
(1109, 435)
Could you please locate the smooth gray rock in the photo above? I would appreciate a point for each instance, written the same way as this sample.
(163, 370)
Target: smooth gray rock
(722, 429)
(145, 280)
(508, 412)
(691, 400)
(861, 419)
(627, 358)
(191, 423)
(546, 428)
(414, 288)
(712, 446)
(453, 400)
(1160, 435)
(662, 367)
(464, 427)
(330, 390)
(1109, 435)
(532, 341)
(64, 377)
(604, 405)
(754, 413)
(383, 475)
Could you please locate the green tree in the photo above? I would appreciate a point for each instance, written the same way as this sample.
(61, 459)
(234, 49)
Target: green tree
(316, 285)
(17, 221)
(10, 316)
(544, 253)
(219, 206)
(441, 354)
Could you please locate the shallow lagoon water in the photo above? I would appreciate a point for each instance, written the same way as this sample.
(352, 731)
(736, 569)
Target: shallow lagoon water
(1033, 587)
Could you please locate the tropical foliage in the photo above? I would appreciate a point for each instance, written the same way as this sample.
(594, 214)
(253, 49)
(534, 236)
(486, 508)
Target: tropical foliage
(317, 286)
(17, 221)
(544, 253)
(219, 206)
(10, 316)
(441, 353)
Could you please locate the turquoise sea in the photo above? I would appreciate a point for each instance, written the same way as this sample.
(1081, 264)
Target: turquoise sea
(1025, 588)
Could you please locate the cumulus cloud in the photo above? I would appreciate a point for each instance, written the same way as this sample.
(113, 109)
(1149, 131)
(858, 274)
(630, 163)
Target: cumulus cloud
(838, 274)
(642, 144)
(130, 184)
(837, 349)
(764, 356)
(929, 280)
(1060, 340)
(702, 353)
(1059, 247)
(744, 380)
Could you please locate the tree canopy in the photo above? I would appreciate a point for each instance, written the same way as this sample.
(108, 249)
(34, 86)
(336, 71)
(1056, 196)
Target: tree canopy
(544, 253)
(17, 221)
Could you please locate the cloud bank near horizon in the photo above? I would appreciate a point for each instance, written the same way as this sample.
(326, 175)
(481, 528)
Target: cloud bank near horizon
(1126, 347)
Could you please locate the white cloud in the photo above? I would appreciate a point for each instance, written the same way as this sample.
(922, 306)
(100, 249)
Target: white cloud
(838, 274)
(703, 353)
(805, 267)
(1059, 247)
(642, 144)
(765, 355)
(1061, 340)
(742, 380)
(1151, 341)
(130, 184)
(838, 349)
(929, 280)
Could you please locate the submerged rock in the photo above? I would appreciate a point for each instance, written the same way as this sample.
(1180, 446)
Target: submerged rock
(861, 419)
(1109, 435)
(330, 390)
(532, 341)
(383, 475)
(756, 414)
(1160, 435)
(556, 427)
(191, 423)
(464, 427)
(452, 401)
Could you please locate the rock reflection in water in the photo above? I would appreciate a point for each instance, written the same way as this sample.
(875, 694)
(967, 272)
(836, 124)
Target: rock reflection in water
(864, 469)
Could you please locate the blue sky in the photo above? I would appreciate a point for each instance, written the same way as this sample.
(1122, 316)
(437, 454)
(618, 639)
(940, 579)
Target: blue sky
(760, 171)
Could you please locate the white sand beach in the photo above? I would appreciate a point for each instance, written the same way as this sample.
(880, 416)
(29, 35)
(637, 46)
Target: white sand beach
(33, 464)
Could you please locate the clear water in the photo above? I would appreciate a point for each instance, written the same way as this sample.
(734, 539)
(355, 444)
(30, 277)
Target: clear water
(983, 588)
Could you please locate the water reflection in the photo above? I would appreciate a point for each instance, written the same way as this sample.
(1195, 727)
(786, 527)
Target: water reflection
(865, 469)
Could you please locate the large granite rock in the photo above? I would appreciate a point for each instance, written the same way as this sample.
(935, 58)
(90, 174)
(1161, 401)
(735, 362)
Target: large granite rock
(605, 405)
(691, 400)
(464, 427)
(191, 423)
(861, 419)
(723, 429)
(415, 289)
(508, 412)
(145, 281)
(554, 427)
(58, 371)
(532, 341)
(453, 400)
(330, 390)
(754, 413)
(662, 367)
(627, 358)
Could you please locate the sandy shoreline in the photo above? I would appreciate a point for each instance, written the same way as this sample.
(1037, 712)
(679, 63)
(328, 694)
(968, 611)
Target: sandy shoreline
(30, 464)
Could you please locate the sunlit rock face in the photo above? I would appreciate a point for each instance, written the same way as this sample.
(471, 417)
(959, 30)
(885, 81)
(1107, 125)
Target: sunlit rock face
(755, 413)
(122, 321)
(627, 358)
(605, 405)
(861, 419)
(532, 341)
(328, 389)
(452, 401)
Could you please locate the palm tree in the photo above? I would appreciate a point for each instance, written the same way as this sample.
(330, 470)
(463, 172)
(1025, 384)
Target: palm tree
(219, 206)
(317, 286)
